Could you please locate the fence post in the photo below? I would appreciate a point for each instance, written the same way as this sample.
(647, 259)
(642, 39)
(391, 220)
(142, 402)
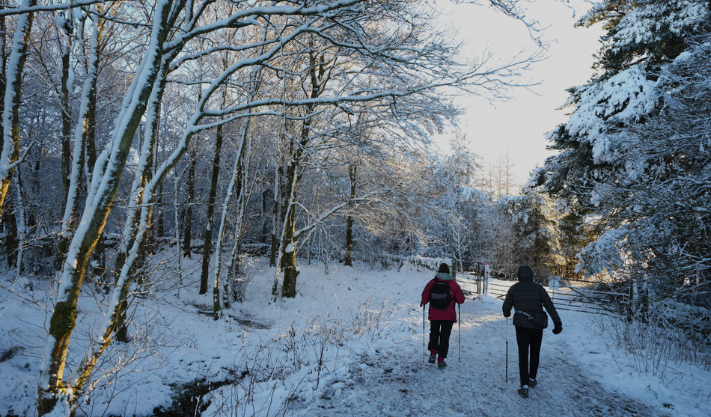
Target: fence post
(479, 278)
(553, 284)
(486, 279)
(634, 296)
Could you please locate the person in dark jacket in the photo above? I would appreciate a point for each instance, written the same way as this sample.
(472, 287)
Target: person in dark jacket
(528, 298)
(441, 320)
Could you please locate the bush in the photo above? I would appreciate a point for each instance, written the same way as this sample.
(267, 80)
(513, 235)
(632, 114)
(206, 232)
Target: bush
(662, 333)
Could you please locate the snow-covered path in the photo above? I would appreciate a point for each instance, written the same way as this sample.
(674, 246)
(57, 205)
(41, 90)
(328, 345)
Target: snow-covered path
(396, 382)
(376, 369)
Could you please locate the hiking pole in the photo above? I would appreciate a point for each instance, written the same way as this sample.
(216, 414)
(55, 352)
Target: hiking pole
(459, 339)
(507, 349)
(423, 334)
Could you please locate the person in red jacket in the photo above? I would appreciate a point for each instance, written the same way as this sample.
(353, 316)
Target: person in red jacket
(441, 292)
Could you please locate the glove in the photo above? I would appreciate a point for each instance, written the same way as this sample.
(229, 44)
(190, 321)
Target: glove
(507, 315)
(558, 328)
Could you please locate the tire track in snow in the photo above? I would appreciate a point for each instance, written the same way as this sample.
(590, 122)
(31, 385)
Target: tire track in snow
(396, 382)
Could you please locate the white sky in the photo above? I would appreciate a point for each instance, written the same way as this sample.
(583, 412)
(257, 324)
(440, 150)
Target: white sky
(520, 124)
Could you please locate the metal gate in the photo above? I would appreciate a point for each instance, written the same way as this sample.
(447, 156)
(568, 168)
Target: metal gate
(573, 295)
(476, 273)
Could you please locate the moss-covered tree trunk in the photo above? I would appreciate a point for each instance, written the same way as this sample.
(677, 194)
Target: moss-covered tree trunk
(288, 251)
(51, 387)
(207, 242)
(288, 260)
(144, 174)
(8, 212)
(3, 62)
(318, 78)
(12, 98)
(289, 239)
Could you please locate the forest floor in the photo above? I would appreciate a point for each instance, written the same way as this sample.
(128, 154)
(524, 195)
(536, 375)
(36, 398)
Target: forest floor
(349, 344)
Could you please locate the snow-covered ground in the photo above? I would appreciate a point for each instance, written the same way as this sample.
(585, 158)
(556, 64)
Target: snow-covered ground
(350, 343)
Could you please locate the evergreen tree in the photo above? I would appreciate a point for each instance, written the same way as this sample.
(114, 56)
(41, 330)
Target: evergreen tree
(634, 152)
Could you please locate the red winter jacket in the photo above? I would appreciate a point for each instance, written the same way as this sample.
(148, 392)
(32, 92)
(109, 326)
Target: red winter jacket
(457, 294)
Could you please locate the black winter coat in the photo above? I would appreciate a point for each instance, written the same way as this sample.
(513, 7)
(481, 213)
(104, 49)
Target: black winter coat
(527, 295)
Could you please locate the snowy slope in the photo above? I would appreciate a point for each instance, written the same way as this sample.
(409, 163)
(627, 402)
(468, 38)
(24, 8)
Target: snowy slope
(349, 344)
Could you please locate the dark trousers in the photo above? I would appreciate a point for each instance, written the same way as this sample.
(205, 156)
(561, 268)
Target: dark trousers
(526, 337)
(439, 336)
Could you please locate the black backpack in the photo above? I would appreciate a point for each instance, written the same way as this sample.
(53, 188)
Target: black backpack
(440, 295)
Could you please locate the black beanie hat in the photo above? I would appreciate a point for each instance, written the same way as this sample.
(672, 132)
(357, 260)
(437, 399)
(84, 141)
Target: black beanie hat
(525, 273)
(443, 268)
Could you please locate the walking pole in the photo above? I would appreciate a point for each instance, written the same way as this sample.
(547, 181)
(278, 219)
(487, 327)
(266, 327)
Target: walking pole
(423, 334)
(460, 333)
(507, 349)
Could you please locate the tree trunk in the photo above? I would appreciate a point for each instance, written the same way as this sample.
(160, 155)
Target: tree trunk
(188, 217)
(207, 242)
(144, 173)
(288, 260)
(289, 242)
(236, 181)
(3, 61)
(66, 112)
(263, 216)
(3, 65)
(176, 219)
(10, 222)
(91, 134)
(349, 219)
(276, 219)
(7, 213)
(99, 258)
(83, 135)
(318, 79)
(52, 389)
(21, 224)
(13, 90)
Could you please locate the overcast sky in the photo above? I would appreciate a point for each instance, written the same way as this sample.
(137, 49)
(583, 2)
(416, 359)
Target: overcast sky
(520, 124)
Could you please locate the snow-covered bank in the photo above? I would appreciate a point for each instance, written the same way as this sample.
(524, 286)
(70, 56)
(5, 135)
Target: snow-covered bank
(350, 343)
